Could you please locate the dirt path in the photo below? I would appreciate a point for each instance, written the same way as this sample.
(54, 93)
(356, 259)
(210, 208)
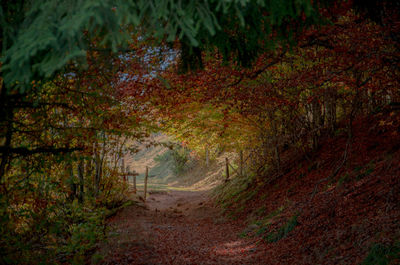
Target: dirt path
(177, 227)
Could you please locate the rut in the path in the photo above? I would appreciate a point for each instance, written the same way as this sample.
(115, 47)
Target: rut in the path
(178, 227)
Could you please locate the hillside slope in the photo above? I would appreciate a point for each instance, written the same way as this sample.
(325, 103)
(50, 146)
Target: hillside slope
(311, 215)
(158, 158)
(323, 210)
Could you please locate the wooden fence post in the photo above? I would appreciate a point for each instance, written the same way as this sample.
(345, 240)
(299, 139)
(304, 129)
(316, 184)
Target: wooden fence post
(123, 168)
(145, 182)
(127, 172)
(241, 162)
(134, 184)
(207, 156)
(227, 169)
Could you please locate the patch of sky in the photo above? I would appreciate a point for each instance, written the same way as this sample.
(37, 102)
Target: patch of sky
(165, 55)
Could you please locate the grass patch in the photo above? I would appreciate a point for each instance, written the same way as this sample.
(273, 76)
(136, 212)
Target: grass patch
(264, 223)
(343, 179)
(358, 168)
(359, 172)
(380, 254)
(283, 231)
(278, 211)
(362, 171)
(301, 175)
(260, 211)
(233, 191)
(239, 209)
(154, 187)
(243, 234)
(234, 195)
(262, 230)
(264, 197)
(369, 169)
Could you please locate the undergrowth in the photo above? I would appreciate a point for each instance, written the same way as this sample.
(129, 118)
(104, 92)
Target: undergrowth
(358, 173)
(261, 227)
(234, 195)
(59, 235)
(283, 231)
(179, 157)
(380, 254)
(57, 231)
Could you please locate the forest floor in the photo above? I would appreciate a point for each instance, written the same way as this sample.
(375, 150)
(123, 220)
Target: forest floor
(341, 206)
(177, 227)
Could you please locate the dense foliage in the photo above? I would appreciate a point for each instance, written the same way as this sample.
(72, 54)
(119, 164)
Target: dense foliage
(290, 97)
(81, 80)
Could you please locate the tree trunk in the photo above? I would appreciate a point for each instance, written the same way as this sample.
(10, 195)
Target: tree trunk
(81, 170)
(330, 106)
(98, 173)
(317, 123)
(145, 182)
(227, 169)
(89, 174)
(70, 172)
(6, 119)
(277, 158)
(123, 168)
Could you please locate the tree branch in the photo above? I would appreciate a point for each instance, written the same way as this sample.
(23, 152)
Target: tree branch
(26, 151)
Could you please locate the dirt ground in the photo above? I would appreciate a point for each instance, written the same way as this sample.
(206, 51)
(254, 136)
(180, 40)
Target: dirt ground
(338, 220)
(177, 227)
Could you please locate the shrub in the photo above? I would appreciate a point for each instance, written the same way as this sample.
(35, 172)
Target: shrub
(180, 157)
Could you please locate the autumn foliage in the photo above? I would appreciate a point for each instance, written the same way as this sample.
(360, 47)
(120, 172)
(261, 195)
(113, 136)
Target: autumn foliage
(290, 97)
(283, 82)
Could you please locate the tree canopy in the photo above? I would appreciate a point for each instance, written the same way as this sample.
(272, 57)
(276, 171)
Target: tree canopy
(39, 38)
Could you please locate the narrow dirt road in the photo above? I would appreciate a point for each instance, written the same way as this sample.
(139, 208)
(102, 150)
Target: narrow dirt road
(177, 227)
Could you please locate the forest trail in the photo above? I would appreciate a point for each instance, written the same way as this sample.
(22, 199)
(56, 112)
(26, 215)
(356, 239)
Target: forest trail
(177, 227)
